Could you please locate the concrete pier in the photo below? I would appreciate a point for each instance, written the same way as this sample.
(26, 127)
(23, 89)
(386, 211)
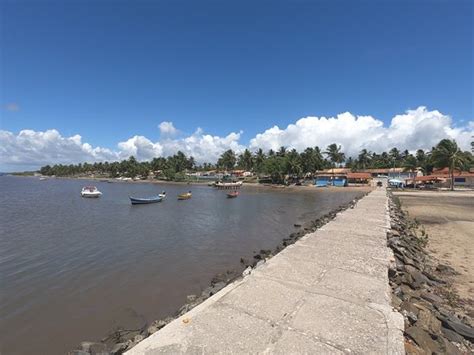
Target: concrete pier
(327, 293)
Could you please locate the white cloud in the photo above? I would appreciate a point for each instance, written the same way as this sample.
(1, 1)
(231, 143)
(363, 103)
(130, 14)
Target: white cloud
(167, 128)
(414, 129)
(140, 147)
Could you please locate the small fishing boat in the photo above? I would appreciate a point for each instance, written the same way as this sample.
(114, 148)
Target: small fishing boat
(185, 196)
(143, 201)
(232, 194)
(90, 191)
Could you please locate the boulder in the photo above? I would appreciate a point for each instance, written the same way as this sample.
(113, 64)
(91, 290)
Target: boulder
(423, 339)
(456, 325)
(452, 336)
(428, 322)
(118, 349)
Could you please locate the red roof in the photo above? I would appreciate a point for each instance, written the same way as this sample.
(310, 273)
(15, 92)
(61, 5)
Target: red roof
(359, 176)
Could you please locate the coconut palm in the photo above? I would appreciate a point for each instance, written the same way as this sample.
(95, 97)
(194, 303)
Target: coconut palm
(333, 151)
(364, 159)
(447, 154)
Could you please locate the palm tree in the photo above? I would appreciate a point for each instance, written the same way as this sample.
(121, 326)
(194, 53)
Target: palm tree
(246, 160)
(281, 152)
(259, 160)
(364, 158)
(333, 151)
(448, 154)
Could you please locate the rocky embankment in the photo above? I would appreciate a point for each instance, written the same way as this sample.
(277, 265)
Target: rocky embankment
(122, 340)
(436, 321)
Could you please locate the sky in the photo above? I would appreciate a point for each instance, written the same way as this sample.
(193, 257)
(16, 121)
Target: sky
(102, 80)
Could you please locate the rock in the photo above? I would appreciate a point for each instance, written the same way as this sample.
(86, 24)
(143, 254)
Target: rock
(412, 349)
(446, 270)
(418, 278)
(118, 348)
(452, 336)
(191, 298)
(244, 261)
(423, 339)
(450, 348)
(456, 325)
(409, 308)
(428, 322)
(247, 271)
(86, 345)
(138, 338)
(217, 287)
(431, 297)
(396, 302)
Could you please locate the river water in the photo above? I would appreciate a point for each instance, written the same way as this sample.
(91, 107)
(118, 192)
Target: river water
(72, 269)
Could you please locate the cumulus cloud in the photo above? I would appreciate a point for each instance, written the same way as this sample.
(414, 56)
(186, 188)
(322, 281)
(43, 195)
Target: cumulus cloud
(412, 130)
(419, 128)
(12, 106)
(32, 148)
(167, 128)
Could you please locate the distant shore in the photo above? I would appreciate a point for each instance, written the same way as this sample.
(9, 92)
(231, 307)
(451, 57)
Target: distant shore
(245, 185)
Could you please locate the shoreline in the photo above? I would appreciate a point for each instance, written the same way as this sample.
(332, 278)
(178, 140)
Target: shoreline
(121, 340)
(245, 185)
(436, 319)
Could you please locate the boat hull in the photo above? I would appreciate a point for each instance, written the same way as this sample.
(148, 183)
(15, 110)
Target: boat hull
(91, 194)
(145, 201)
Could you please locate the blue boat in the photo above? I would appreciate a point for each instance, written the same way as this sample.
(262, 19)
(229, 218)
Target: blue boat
(143, 201)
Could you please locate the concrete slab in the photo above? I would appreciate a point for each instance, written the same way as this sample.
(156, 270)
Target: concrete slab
(354, 328)
(326, 294)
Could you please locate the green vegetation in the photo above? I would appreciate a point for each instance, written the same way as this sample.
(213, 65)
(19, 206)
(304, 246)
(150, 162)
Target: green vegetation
(276, 165)
(448, 154)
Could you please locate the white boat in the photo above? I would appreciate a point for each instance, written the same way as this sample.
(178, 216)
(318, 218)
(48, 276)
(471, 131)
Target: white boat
(162, 195)
(228, 185)
(90, 191)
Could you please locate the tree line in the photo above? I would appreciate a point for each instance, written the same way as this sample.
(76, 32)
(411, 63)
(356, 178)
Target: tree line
(278, 164)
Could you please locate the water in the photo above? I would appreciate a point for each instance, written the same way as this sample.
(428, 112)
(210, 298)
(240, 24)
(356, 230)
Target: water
(72, 269)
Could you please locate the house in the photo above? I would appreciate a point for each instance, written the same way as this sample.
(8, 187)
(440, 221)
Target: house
(324, 179)
(359, 178)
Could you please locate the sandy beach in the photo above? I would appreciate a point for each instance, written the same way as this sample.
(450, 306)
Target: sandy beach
(448, 219)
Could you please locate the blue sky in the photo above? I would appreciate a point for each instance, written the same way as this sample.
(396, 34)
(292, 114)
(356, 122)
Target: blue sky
(109, 70)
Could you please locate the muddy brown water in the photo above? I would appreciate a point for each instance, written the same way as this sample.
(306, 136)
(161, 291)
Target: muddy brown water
(72, 269)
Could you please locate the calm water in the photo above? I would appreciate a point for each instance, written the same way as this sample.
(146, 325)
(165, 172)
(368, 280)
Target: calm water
(72, 269)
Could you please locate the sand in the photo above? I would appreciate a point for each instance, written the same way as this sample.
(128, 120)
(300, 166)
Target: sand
(448, 219)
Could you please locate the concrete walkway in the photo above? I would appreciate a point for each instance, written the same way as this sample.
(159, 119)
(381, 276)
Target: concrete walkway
(327, 293)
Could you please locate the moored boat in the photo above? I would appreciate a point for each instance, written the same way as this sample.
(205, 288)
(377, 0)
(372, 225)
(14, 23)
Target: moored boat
(163, 194)
(143, 201)
(232, 194)
(228, 185)
(90, 191)
(185, 196)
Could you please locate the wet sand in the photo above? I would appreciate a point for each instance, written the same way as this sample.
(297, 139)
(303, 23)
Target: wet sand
(448, 219)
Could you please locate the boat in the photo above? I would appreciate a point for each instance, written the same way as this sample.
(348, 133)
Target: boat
(185, 196)
(143, 201)
(162, 195)
(90, 191)
(232, 194)
(42, 178)
(228, 185)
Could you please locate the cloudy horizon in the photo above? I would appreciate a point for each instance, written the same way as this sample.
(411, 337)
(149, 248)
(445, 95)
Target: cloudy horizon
(418, 128)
